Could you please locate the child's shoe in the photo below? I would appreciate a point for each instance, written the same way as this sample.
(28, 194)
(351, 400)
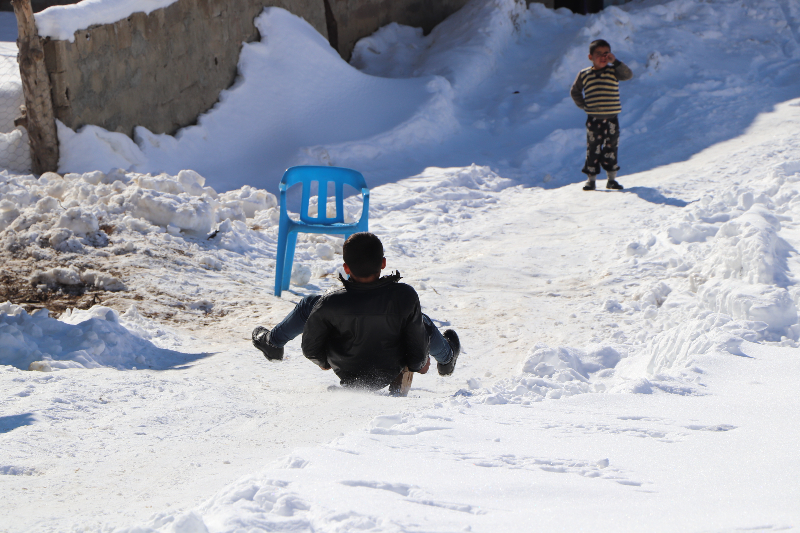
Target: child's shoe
(261, 341)
(614, 184)
(590, 186)
(452, 339)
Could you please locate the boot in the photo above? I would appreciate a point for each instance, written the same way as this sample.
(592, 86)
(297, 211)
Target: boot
(612, 181)
(590, 186)
(261, 341)
(455, 345)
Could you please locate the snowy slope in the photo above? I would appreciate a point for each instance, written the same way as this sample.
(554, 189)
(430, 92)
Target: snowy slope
(488, 86)
(552, 312)
(629, 358)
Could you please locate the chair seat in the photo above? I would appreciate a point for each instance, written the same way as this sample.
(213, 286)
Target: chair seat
(336, 227)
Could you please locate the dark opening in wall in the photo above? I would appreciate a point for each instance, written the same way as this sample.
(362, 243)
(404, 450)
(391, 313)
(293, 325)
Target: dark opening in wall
(331, 26)
(583, 7)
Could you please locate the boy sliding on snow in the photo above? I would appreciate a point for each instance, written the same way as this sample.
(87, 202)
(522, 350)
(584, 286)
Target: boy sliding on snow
(371, 332)
(596, 91)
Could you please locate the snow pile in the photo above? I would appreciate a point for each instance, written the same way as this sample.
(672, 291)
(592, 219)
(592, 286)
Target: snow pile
(450, 108)
(739, 289)
(464, 49)
(71, 276)
(264, 120)
(93, 338)
(550, 373)
(461, 52)
(61, 22)
(70, 212)
(724, 281)
(71, 241)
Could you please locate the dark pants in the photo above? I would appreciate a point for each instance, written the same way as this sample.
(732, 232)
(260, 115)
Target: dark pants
(602, 141)
(292, 326)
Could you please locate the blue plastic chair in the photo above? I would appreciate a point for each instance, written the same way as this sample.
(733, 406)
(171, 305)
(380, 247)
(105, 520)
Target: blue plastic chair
(288, 228)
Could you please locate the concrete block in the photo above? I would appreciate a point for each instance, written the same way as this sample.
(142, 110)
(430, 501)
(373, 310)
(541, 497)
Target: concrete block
(124, 34)
(82, 43)
(97, 82)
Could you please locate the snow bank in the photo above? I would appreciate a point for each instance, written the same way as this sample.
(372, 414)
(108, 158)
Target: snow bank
(722, 277)
(489, 85)
(66, 241)
(79, 339)
(61, 22)
(738, 287)
(67, 211)
(293, 91)
(464, 49)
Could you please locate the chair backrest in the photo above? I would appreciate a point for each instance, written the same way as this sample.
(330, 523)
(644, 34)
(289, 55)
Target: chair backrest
(306, 175)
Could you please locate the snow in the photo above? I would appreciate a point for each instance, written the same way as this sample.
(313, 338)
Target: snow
(61, 22)
(628, 357)
(487, 86)
(14, 152)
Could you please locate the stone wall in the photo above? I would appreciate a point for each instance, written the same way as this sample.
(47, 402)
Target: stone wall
(160, 70)
(163, 70)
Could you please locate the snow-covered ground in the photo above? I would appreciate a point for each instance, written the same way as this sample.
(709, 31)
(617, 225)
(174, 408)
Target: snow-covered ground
(489, 86)
(630, 358)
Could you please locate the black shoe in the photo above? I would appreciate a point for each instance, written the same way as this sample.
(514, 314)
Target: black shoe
(261, 341)
(590, 186)
(455, 345)
(613, 184)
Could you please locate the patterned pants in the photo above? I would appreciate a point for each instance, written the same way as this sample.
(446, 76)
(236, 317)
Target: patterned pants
(602, 141)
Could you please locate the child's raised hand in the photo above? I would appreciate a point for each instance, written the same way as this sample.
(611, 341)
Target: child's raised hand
(611, 57)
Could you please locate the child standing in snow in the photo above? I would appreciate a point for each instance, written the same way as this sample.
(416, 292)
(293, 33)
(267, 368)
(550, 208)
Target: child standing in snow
(596, 91)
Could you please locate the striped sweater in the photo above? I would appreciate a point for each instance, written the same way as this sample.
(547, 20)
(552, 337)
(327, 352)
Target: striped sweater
(597, 91)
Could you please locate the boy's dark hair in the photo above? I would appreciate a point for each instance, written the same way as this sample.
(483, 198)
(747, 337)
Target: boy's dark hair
(363, 253)
(594, 45)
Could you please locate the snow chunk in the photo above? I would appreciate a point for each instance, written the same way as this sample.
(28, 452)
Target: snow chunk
(301, 275)
(102, 280)
(251, 200)
(78, 221)
(57, 276)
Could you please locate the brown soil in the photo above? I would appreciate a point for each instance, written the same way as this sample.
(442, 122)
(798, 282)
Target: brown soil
(19, 290)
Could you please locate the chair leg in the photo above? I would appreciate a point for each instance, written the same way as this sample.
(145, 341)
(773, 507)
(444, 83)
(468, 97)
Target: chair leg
(291, 242)
(280, 259)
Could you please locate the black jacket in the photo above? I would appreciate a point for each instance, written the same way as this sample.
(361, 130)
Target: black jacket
(367, 332)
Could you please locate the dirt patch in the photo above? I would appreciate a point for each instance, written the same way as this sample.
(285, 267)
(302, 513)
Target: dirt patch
(19, 290)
